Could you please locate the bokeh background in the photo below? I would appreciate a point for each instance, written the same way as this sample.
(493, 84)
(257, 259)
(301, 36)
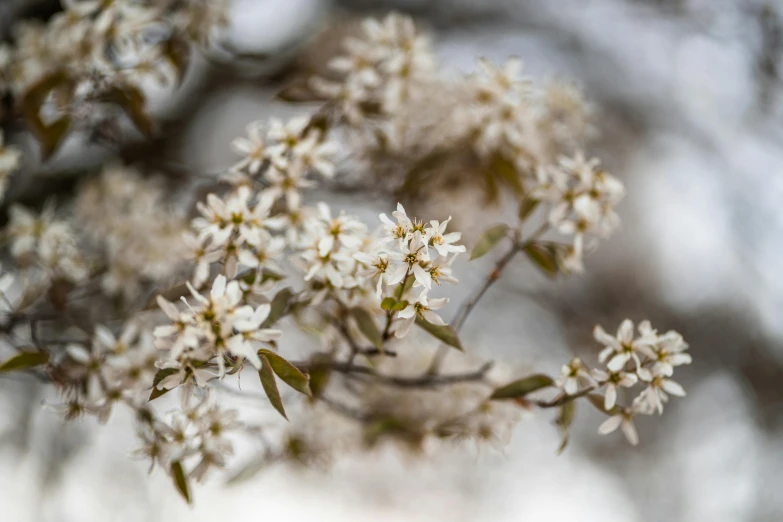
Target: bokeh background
(689, 102)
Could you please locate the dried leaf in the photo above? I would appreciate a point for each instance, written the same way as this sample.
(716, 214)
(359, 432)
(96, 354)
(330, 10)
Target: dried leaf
(564, 421)
(505, 171)
(279, 307)
(267, 376)
(299, 91)
(132, 101)
(367, 326)
(522, 387)
(544, 256)
(49, 136)
(159, 376)
(526, 207)
(444, 333)
(177, 51)
(488, 240)
(180, 480)
(24, 361)
(290, 374)
(320, 373)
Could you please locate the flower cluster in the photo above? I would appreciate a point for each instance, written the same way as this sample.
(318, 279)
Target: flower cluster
(197, 434)
(111, 369)
(215, 332)
(128, 219)
(408, 260)
(648, 359)
(380, 72)
(361, 291)
(45, 244)
(582, 198)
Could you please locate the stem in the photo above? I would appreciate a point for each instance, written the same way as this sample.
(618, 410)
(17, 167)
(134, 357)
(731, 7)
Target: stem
(565, 398)
(467, 306)
(423, 381)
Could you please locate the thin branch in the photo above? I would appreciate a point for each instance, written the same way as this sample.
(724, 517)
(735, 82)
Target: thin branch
(423, 381)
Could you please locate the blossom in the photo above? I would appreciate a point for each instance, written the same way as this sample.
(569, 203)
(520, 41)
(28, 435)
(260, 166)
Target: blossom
(622, 420)
(422, 308)
(443, 243)
(655, 395)
(252, 148)
(400, 230)
(571, 374)
(612, 381)
(413, 257)
(624, 347)
(214, 326)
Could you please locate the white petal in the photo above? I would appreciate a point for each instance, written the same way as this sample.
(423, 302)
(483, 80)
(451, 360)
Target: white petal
(610, 424)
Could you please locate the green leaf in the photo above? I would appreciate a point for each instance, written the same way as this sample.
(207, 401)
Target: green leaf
(24, 361)
(399, 306)
(279, 307)
(290, 374)
(544, 256)
(564, 421)
(526, 207)
(488, 240)
(180, 480)
(267, 376)
(367, 326)
(444, 333)
(522, 387)
(388, 303)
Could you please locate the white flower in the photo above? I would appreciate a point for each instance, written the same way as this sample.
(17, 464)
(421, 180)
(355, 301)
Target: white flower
(655, 395)
(252, 148)
(377, 266)
(612, 381)
(443, 243)
(668, 352)
(572, 374)
(422, 308)
(622, 420)
(413, 257)
(400, 230)
(231, 220)
(624, 347)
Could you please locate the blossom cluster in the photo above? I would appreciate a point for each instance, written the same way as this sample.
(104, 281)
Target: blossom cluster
(110, 369)
(122, 40)
(215, 332)
(381, 70)
(361, 290)
(581, 199)
(196, 437)
(409, 258)
(647, 359)
(44, 245)
(134, 228)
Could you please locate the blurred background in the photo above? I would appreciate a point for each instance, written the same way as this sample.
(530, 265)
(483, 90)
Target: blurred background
(689, 102)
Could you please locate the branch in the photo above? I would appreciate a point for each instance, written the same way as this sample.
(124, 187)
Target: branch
(423, 381)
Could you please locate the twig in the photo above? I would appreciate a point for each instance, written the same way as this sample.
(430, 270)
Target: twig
(423, 381)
